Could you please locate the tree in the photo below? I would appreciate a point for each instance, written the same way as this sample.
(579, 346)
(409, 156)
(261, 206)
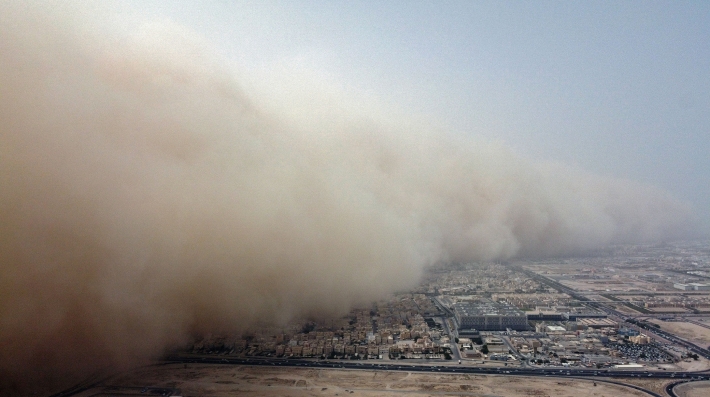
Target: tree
(484, 349)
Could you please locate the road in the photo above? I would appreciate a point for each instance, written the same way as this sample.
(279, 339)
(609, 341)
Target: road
(616, 376)
(584, 373)
(453, 334)
(374, 365)
(455, 354)
(670, 388)
(622, 318)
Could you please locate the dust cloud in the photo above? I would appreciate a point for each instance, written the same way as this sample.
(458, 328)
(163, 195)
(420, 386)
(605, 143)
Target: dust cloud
(145, 198)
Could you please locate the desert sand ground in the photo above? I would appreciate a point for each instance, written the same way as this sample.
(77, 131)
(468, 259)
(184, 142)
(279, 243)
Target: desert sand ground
(668, 310)
(214, 380)
(693, 389)
(691, 332)
(693, 365)
(625, 309)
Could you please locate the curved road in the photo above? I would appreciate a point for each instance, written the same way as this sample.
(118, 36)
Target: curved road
(588, 374)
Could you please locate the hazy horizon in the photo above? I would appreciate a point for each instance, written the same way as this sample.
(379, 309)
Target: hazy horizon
(620, 90)
(158, 183)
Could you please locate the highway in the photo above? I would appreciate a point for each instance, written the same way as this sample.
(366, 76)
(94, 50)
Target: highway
(618, 316)
(671, 386)
(449, 368)
(589, 374)
(616, 376)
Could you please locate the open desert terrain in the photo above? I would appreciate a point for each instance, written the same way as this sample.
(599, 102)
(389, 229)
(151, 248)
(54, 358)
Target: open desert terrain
(692, 332)
(210, 380)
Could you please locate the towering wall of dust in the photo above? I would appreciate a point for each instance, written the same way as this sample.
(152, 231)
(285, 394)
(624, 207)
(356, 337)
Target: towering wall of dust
(143, 198)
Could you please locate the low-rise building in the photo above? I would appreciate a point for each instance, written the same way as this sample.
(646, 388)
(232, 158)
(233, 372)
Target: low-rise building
(485, 315)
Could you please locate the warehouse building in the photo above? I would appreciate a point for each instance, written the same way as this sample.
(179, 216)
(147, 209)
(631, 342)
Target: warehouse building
(489, 316)
(700, 286)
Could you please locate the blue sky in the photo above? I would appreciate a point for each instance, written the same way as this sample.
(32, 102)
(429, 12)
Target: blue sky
(615, 88)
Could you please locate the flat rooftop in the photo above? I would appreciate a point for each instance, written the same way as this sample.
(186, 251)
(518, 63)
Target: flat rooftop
(486, 308)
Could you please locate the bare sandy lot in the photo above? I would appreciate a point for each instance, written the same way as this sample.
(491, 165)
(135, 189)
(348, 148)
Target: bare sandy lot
(667, 309)
(693, 389)
(625, 309)
(213, 380)
(691, 332)
(655, 385)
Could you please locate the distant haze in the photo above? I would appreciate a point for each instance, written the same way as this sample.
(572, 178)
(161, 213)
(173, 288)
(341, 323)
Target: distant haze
(144, 198)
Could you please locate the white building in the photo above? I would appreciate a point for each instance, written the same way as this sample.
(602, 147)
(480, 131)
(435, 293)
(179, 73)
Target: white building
(489, 316)
(700, 287)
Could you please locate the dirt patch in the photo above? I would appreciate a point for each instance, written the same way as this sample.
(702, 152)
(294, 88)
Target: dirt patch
(692, 332)
(222, 381)
(655, 385)
(693, 389)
